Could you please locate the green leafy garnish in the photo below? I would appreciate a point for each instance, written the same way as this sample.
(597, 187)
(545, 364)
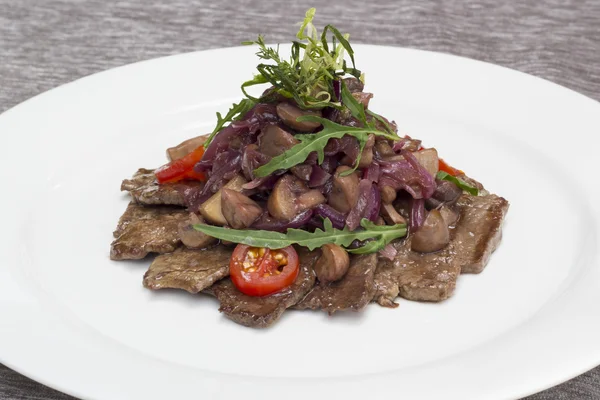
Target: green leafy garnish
(379, 118)
(316, 142)
(308, 77)
(458, 182)
(235, 112)
(378, 236)
(356, 108)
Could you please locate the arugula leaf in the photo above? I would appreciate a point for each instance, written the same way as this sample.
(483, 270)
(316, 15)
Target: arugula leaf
(315, 142)
(383, 121)
(380, 236)
(235, 112)
(356, 109)
(458, 182)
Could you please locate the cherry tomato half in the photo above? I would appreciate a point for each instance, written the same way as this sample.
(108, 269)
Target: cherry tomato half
(181, 169)
(448, 169)
(258, 271)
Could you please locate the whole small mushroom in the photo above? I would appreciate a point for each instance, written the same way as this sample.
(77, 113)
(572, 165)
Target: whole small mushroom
(333, 263)
(433, 235)
(289, 114)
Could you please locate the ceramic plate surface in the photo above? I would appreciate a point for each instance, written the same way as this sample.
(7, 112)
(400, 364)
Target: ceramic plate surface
(83, 324)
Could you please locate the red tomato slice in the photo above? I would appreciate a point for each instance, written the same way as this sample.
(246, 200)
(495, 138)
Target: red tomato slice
(258, 271)
(181, 169)
(448, 169)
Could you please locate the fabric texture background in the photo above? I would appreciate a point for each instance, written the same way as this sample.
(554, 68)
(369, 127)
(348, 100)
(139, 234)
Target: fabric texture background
(44, 44)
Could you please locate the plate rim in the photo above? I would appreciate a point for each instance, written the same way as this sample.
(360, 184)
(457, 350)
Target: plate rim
(8, 113)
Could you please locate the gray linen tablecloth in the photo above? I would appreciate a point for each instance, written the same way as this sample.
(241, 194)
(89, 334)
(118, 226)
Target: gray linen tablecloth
(44, 44)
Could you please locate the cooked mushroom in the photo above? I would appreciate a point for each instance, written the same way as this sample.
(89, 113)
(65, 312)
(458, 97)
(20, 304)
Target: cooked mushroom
(354, 85)
(366, 157)
(240, 211)
(449, 215)
(383, 149)
(446, 192)
(388, 194)
(281, 203)
(428, 158)
(211, 208)
(363, 98)
(302, 171)
(309, 199)
(185, 148)
(344, 191)
(391, 215)
(192, 238)
(289, 113)
(333, 263)
(291, 196)
(274, 141)
(433, 235)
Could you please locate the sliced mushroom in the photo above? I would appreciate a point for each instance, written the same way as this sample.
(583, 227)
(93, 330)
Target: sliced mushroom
(354, 85)
(391, 215)
(192, 238)
(302, 171)
(363, 98)
(366, 157)
(383, 149)
(211, 208)
(309, 200)
(388, 194)
(433, 235)
(289, 113)
(274, 141)
(185, 148)
(240, 211)
(281, 203)
(344, 191)
(428, 158)
(333, 263)
(446, 192)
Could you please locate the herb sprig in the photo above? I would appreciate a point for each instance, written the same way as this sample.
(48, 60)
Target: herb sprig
(308, 77)
(378, 236)
(236, 112)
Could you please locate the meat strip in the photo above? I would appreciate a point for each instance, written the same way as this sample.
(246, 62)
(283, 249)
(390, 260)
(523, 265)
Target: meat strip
(261, 312)
(144, 189)
(142, 230)
(188, 269)
(353, 292)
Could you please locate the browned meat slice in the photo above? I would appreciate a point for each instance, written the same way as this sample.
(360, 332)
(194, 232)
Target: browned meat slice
(478, 231)
(415, 276)
(142, 230)
(144, 189)
(354, 291)
(188, 269)
(432, 276)
(260, 312)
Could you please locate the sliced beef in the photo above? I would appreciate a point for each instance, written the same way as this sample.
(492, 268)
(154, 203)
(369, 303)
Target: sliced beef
(260, 312)
(142, 230)
(478, 231)
(188, 269)
(354, 291)
(432, 276)
(144, 189)
(415, 276)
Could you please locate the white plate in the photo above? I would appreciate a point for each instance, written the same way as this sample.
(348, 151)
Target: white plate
(80, 323)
